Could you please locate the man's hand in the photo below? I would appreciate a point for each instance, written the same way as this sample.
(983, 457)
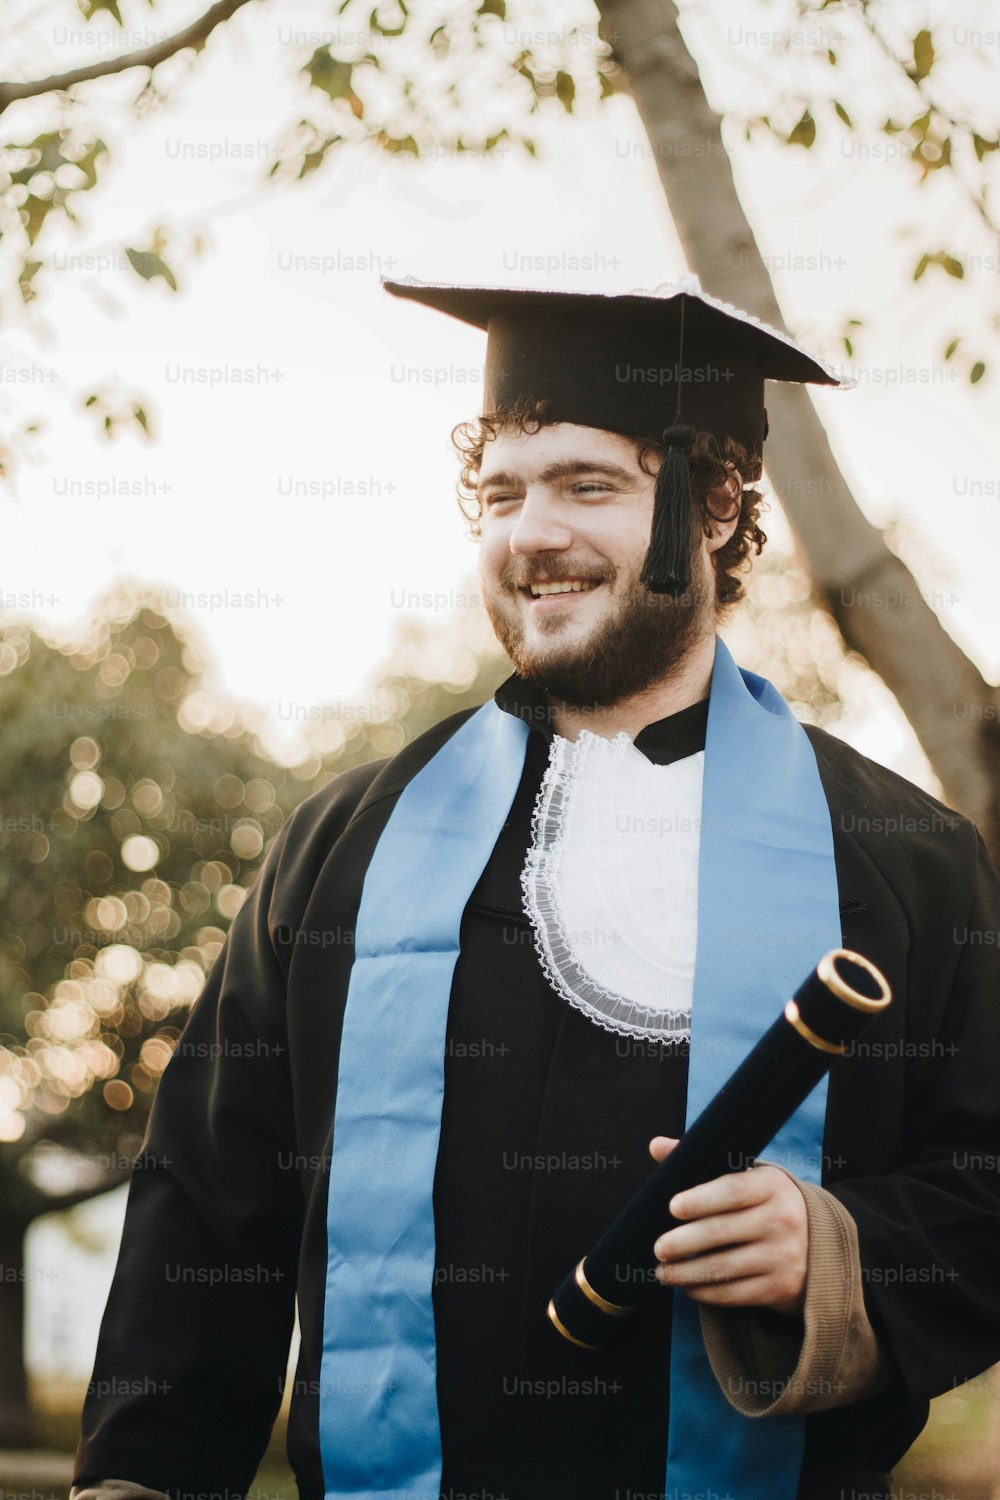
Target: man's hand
(748, 1235)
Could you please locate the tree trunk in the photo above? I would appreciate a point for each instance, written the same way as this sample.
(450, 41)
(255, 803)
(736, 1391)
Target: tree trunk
(870, 592)
(17, 1429)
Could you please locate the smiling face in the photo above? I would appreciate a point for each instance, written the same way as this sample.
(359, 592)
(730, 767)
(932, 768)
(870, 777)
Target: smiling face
(566, 514)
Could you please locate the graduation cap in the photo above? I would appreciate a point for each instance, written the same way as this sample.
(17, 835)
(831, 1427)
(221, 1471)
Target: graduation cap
(659, 366)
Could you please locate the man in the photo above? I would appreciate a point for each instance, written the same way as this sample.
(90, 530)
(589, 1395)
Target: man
(485, 979)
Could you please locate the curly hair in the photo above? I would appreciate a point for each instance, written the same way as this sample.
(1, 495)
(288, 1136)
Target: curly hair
(712, 462)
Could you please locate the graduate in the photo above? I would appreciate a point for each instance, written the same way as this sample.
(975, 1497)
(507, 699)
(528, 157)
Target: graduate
(479, 986)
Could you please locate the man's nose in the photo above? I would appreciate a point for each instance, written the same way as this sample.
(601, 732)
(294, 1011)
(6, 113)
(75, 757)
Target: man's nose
(539, 527)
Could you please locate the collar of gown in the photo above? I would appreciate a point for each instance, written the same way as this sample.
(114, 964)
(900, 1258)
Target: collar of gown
(662, 742)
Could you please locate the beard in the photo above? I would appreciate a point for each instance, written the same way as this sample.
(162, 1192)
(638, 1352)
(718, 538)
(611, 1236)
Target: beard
(640, 640)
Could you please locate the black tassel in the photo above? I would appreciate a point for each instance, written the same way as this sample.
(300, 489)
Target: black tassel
(667, 566)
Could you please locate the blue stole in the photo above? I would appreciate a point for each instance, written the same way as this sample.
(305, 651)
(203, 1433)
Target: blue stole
(767, 910)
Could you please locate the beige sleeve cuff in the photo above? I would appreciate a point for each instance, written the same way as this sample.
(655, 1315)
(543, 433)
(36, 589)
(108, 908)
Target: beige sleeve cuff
(117, 1489)
(769, 1364)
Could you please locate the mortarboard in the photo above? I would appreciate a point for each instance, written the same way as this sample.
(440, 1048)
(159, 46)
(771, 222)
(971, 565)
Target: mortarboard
(657, 365)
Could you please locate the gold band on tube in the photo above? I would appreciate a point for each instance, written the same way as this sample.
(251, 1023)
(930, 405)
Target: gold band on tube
(558, 1323)
(611, 1308)
(794, 1019)
(826, 971)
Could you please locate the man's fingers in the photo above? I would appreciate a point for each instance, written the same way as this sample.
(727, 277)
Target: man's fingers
(724, 1194)
(696, 1238)
(661, 1146)
(739, 1264)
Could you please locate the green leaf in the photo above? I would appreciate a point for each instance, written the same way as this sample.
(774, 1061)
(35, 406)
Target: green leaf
(804, 133)
(921, 267)
(831, 57)
(33, 213)
(313, 159)
(90, 401)
(140, 416)
(923, 55)
(87, 163)
(147, 265)
(950, 348)
(842, 113)
(982, 146)
(91, 8)
(951, 265)
(493, 8)
(565, 91)
(330, 74)
(977, 372)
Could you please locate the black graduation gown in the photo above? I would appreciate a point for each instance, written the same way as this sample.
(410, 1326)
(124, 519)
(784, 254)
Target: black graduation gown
(545, 1126)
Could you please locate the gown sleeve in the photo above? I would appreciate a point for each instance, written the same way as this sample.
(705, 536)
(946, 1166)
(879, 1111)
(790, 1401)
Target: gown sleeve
(768, 1364)
(194, 1342)
(929, 1231)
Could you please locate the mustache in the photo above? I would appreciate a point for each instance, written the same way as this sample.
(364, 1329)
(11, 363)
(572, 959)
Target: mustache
(523, 575)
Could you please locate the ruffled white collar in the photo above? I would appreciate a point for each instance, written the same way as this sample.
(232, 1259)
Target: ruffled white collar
(611, 883)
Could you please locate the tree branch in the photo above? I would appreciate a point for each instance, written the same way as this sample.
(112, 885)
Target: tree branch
(144, 57)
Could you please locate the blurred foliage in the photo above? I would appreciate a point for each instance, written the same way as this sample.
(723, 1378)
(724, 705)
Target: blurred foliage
(124, 843)
(778, 631)
(465, 78)
(931, 127)
(136, 809)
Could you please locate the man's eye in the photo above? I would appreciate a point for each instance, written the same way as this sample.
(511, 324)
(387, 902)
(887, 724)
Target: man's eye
(589, 486)
(498, 499)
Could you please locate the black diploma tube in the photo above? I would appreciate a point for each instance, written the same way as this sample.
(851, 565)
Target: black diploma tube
(830, 1010)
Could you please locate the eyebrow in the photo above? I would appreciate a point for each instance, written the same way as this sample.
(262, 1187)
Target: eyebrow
(563, 468)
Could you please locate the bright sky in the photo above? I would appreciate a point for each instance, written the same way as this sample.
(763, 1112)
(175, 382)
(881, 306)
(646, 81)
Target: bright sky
(253, 487)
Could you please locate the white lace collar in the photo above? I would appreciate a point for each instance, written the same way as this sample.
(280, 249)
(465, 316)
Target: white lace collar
(611, 883)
